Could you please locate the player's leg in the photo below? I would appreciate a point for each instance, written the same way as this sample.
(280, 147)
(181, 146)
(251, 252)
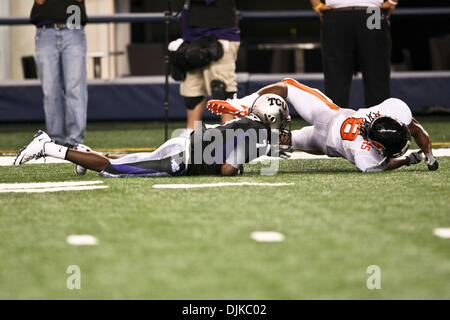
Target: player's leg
(279, 88)
(43, 146)
(167, 160)
(306, 140)
(89, 160)
(239, 107)
(120, 164)
(311, 104)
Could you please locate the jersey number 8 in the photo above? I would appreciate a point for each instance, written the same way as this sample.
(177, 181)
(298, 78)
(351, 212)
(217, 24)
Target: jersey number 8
(350, 128)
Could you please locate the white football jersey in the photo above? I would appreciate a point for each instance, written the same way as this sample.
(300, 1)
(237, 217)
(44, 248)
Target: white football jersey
(345, 141)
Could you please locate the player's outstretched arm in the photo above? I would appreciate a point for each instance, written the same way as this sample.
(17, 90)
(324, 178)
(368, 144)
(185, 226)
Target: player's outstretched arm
(412, 158)
(423, 140)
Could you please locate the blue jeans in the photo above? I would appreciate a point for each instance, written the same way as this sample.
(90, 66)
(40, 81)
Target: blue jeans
(61, 62)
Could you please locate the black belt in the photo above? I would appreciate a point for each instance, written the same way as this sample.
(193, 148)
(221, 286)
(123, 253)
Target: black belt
(57, 26)
(350, 9)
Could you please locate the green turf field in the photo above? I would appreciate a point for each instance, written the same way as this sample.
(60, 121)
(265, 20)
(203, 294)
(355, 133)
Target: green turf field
(195, 243)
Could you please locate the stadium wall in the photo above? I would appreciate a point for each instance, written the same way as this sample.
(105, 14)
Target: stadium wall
(142, 98)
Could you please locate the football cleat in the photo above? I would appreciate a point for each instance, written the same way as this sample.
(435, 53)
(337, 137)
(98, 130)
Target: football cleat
(230, 106)
(80, 170)
(34, 150)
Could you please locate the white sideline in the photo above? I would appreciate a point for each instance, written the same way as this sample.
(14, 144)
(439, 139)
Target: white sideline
(220, 184)
(9, 160)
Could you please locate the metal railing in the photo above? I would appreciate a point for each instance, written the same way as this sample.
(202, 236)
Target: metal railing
(158, 17)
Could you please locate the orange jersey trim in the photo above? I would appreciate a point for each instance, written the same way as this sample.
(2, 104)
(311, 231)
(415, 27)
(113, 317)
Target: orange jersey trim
(311, 91)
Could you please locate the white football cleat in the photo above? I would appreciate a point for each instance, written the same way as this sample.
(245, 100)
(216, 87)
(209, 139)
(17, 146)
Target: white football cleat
(34, 150)
(80, 170)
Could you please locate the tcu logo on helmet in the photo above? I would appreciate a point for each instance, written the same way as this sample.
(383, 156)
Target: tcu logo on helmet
(271, 109)
(277, 101)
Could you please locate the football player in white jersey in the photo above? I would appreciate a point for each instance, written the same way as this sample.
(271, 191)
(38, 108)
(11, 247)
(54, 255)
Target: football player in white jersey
(373, 139)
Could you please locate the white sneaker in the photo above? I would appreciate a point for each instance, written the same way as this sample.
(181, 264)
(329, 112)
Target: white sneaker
(80, 170)
(34, 150)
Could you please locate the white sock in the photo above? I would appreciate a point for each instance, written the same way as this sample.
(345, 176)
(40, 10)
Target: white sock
(55, 150)
(248, 100)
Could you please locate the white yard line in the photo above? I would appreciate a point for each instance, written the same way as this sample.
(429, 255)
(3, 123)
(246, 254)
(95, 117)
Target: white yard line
(82, 240)
(41, 190)
(442, 232)
(220, 184)
(39, 187)
(4, 186)
(9, 161)
(267, 236)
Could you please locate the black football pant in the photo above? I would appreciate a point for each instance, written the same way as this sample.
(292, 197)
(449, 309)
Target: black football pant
(349, 45)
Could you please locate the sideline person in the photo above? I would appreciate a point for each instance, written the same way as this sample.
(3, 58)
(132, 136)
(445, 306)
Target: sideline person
(61, 62)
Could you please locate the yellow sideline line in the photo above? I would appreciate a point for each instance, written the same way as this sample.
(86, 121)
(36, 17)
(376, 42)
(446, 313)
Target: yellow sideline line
(440, 143)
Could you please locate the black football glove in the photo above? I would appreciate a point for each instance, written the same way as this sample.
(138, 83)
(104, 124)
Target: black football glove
(285, 151)
(414, 157)
(431, 162)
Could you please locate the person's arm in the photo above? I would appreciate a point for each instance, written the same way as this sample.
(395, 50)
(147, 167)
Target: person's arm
(423, 140)
(366, 163)
(412, 158)
(319, 7)
(395, 163)
(388, 7)
(421, 137)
